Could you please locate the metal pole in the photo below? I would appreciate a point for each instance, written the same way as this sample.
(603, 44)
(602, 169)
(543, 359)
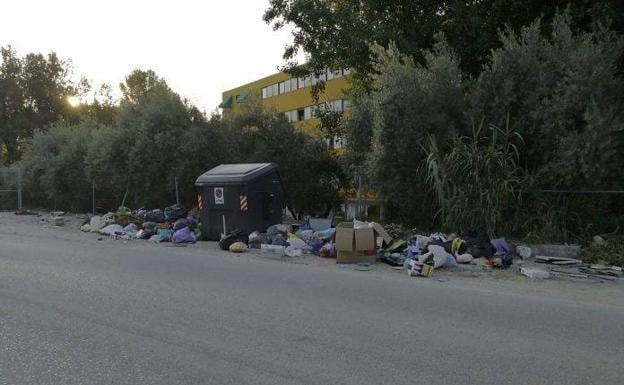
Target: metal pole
(176, 190)
(19, 189)
(93, 197)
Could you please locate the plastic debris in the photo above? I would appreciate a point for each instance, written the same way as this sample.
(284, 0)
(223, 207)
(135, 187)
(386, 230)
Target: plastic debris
(238, 247)
(441, 258)
(534, 273)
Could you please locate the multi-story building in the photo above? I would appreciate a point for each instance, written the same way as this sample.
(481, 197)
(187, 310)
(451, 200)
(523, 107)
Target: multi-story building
(292, 97)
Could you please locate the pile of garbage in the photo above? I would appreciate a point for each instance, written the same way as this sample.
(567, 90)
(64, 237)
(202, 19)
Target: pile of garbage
(174, 224)
(284, 239)
(420, 255)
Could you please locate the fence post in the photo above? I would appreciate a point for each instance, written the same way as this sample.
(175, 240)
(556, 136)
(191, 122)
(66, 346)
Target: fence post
(19, 189)
(93, 197)
(177, 193)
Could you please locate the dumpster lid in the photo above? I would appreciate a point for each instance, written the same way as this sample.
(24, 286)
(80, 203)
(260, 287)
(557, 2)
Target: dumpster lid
(234, 173)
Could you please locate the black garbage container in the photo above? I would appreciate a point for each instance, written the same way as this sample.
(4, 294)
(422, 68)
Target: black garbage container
(244, 196)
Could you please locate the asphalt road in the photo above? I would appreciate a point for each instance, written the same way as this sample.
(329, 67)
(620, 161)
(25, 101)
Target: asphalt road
(80, 311)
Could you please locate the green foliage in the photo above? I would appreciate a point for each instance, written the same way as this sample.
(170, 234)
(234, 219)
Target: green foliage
(55, 164)
(338, 33)
(33, 91)
(564, 97)
(155, 137)
(612, 253)
(556, 88)
(312, 177)
(140, 84)
(478, 180)
(408, 102)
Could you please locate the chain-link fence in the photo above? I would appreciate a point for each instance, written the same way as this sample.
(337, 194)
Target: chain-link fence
(10, 188)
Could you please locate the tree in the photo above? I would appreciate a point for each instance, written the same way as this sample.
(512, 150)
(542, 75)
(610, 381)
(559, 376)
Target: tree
(563, 96)
(33, 94)
(141, 83)
(407, 103)
(312, 177)
(338, 34)
(55, 165)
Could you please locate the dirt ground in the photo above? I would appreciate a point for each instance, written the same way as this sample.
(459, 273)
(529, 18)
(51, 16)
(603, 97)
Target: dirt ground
(469, 276)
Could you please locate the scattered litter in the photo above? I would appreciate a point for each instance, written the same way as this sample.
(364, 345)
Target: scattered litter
(184, 235)
(234, 236)
(524, 252)
(464, 258)
(441, 258)
(501, 246)
(557, 260)
(112, 230)
(416, 268)
(534, 273)
(328, 251)
(163, 235)
(291, 251)
(273, 249)
(58, 221)
(363, 266)
(238, 247)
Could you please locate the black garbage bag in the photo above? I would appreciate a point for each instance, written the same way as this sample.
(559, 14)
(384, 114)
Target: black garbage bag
(233, 237)
(477, 242)
(155, 216)
(149, 225)
(175, 212)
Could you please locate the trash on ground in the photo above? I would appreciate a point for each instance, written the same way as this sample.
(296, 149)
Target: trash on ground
(557, 260)
(183, 235)
(363, 266)
(416, 268)
(273, 249)
(238, 247)
(523, 252)
(534, 273)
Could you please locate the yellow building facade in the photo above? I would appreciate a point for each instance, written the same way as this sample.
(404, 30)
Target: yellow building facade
(292, 97)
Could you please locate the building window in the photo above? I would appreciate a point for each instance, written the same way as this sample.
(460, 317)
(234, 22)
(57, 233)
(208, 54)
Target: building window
(294, 84)
(264, 93)
(346, 105)
(307, 113)
(291, 116)
(300, 114)
(333, 74)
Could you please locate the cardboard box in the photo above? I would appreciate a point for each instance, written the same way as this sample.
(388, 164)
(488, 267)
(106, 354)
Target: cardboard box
(355, 245)
(381, 232)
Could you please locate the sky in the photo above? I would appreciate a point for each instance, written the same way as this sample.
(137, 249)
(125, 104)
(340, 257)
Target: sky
(200, 47)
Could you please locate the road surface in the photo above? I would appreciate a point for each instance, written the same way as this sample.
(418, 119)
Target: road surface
(75, 310)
